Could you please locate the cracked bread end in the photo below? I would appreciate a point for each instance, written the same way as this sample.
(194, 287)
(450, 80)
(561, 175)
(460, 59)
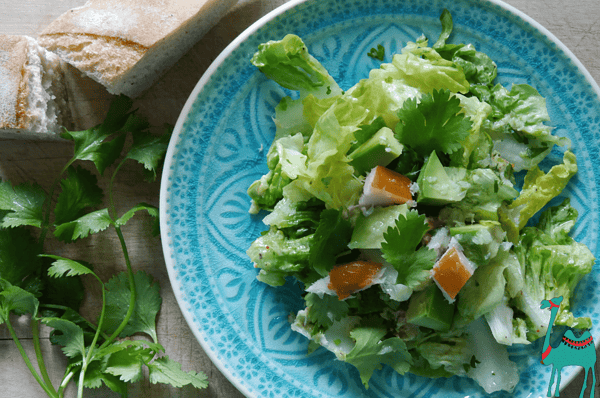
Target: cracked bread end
(33, 95)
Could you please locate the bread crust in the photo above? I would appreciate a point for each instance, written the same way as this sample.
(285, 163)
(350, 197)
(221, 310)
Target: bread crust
(130, 22)
(126, 45)
(13, 82)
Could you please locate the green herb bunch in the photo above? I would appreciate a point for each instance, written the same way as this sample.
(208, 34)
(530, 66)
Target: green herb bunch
(49, 288)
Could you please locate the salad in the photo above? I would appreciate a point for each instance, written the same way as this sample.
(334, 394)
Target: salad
(412, 210)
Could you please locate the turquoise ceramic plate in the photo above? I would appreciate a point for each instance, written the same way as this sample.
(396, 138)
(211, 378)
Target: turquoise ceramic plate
(219, 148)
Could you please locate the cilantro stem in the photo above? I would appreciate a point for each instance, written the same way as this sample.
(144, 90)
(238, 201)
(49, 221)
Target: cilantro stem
(49, 391)
(38, 353)
(89, 355)
(132, 298)
(130, 277)
(65, 382)
(47, 206)
(65, 308)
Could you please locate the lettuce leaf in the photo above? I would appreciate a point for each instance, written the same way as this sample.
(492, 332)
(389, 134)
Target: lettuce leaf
(285, 160)
(425, 69)
(327, 174)
(552, 264)
(517, 125)
(538, 189)
(288, 62)
(278, 256)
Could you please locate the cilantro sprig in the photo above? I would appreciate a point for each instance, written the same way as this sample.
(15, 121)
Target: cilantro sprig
(48, 287)
(401, 249)
(377, 53)
(434, 122)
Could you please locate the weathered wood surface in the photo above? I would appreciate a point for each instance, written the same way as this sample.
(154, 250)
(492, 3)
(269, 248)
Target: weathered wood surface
(576, 24)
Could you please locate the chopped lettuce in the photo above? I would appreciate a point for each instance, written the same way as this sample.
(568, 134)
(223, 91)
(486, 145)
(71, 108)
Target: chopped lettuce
(551, 266)
(517, 125)
(451, 354)
(288, 62)
(284, 159)
(496, 371)
(479, 69)
(483, 291)
(424, 68)
(486, 191)
(461, 137)
(278, 256)
(538, 189)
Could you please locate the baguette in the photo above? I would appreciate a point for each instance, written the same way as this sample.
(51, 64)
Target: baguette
(126, 45)
(32, 90)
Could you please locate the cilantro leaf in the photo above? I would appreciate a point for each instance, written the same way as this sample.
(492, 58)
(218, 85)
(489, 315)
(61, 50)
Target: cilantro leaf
(371, 352)
(147, 304)
(70, 315)
(164, 370)
(64, 291)
(15, 299)
(18, 256)
(124, 344)
(324, 311)
(407, 234)
(152, 211)
(377, 53)
(94, 144)
(149, 150)
(399, 249)
(331, 238)
(66, 266)
(24, 203)
(79, 191)
(90, 145)
(70, 336)
(90, 223)
(436, 122)
(95, 376)
(128, 363)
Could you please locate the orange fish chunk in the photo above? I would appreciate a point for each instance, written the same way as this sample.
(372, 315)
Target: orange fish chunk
(451, 272)
(346, 279)
(385, 187)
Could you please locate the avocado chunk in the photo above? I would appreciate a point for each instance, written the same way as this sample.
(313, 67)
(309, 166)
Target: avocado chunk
(480, 242)
(368, 230)
(379, 150)
(439, 185)
(429, 308)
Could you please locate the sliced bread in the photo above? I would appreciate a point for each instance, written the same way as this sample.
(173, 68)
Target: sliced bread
(32, 90)
(126, 45)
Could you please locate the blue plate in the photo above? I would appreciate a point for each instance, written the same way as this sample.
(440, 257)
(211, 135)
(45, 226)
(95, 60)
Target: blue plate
(219, 147)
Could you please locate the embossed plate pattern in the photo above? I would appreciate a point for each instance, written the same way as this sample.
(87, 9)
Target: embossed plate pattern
(219, 148)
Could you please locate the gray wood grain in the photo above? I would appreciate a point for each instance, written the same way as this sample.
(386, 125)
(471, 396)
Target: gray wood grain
(576, 24)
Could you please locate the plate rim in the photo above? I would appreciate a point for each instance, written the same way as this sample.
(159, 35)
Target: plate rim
(167, 248)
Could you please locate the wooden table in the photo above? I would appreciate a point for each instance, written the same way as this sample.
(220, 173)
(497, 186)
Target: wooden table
(576, 24)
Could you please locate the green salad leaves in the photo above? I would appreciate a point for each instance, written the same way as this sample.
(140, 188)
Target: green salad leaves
(395, 205)
(48, 287)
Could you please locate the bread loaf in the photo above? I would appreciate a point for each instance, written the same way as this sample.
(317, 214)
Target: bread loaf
(32, 91)
(126, 45)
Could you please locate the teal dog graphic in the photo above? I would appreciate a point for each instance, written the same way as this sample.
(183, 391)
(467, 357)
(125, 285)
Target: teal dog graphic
(576, 348)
